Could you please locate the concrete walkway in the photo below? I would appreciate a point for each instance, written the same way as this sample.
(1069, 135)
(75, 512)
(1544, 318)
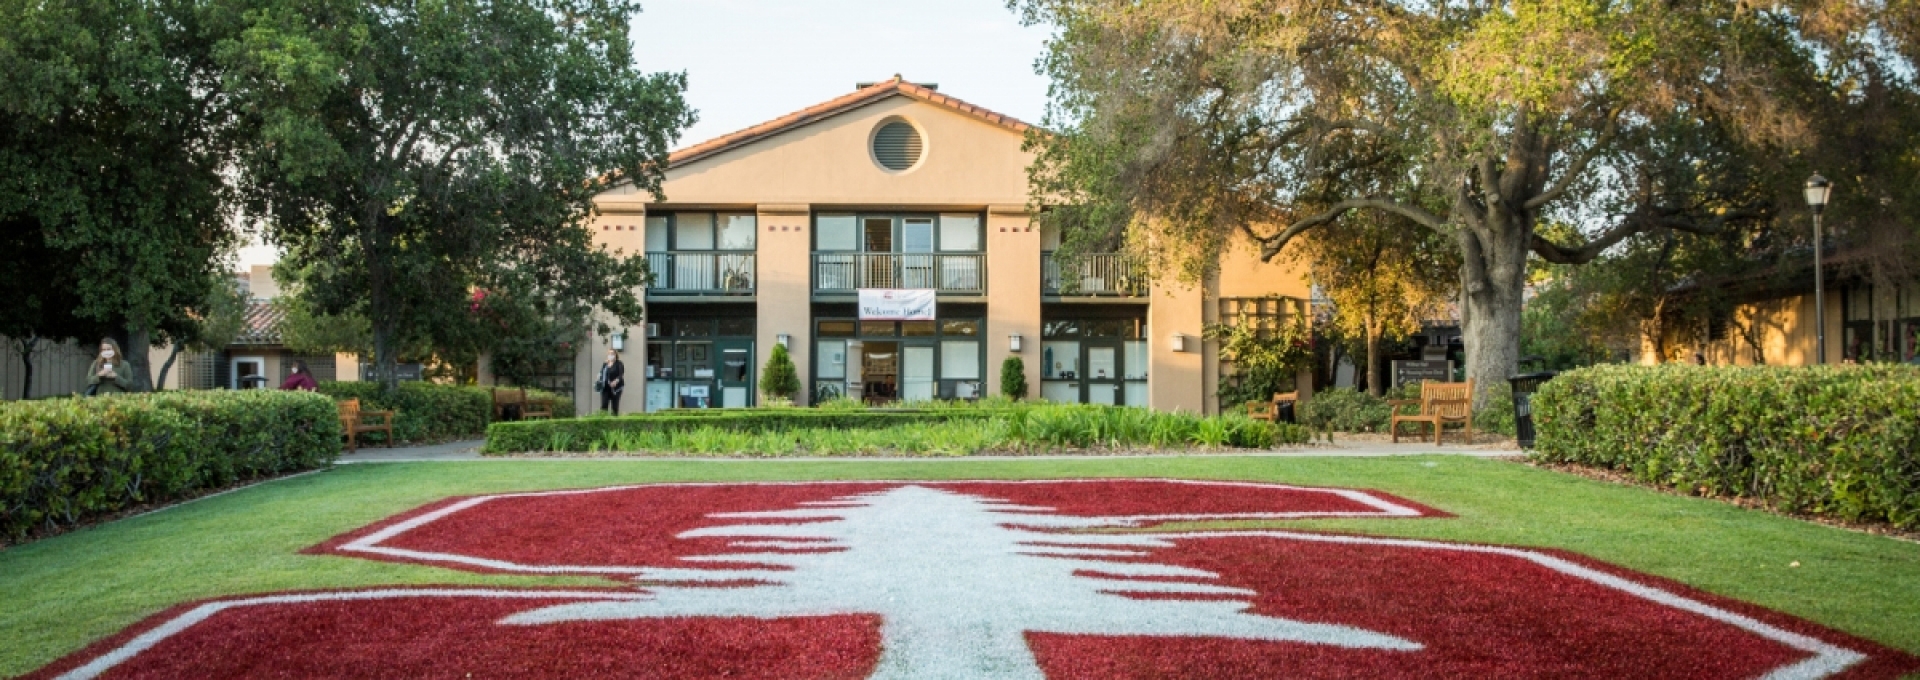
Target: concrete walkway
(469, 450)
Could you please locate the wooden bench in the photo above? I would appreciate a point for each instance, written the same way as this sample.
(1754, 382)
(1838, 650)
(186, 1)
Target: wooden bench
(1440, 403)
(353, 421)
(524, 407)
(1270, 410)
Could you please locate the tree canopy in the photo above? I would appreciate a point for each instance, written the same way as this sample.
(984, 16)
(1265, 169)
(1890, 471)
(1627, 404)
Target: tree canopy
(1206, 123)
(413, 153)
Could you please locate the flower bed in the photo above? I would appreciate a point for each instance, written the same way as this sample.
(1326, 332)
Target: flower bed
(937, 430)
(63, 461)
(1840, 441)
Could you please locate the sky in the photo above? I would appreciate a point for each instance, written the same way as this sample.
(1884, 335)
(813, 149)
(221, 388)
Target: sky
(750, 61)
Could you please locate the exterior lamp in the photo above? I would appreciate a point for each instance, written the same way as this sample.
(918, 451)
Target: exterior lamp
(1013, 343)
(784, 340)
(619, 341)
(1818, 191)
(1179, 342)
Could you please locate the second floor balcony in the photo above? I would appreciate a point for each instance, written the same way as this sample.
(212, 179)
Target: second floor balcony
(701, 273)
(1092, 275)
(961, 274)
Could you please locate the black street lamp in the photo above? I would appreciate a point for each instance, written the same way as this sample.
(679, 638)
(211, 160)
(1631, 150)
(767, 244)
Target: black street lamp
(1818, 190)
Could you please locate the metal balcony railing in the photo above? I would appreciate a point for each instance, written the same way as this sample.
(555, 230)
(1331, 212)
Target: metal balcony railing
(701, 273)
(847, 272)
(1092, 274)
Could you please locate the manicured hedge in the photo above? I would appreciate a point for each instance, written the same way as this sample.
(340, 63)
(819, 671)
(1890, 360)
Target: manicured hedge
(578, 434)
(1842, 441)
(65, 460)
(426, 411)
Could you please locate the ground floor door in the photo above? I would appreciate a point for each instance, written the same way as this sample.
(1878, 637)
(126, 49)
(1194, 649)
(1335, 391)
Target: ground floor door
(1102, 365)
(879, 372)
(735, 375)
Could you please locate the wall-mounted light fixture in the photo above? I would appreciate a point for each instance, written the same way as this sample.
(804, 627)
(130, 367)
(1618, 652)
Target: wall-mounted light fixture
(784, 340)
(619, 341)
(1181, 342)
(1013, 343)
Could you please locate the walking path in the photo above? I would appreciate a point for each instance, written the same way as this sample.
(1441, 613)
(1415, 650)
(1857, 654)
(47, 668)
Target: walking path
(469, 450)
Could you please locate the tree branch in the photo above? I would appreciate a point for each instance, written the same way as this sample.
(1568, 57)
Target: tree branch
(1579, 165)
(1557, 254)
(1272, 245)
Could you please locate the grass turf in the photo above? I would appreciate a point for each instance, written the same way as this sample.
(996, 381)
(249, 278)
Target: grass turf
(65, 592)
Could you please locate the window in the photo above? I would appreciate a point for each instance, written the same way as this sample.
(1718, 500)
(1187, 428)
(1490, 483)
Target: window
(880, 328)
(736, 232)
(657, 234)
(1260, 313)
(736, 327)
(693, 231)
(960, 327)
(896, 145)
(832, 359)
(836, 329)
(836, 232)
(918, 328)
(960, 360)
(959, 232)
(916, 236)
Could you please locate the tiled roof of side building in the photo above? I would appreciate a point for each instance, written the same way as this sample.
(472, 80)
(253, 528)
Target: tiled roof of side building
(263, 325)
(857, 98)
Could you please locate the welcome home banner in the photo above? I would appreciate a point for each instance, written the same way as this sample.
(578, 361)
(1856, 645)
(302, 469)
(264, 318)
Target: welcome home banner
(896, 304)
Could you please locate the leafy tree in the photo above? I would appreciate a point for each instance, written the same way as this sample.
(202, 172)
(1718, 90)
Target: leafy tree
(114, 130)
(1013, 378)
(39, 312)
(413, 153)
(212, 325)
(1214, 122)
(779, 379)
(1384, 275)
(1264, 360)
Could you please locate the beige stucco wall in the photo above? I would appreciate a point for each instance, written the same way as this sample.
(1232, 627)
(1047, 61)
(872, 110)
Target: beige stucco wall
(1013, 293)
(1176, 381)
(1780, 328)
(967, 163)
(783, 291)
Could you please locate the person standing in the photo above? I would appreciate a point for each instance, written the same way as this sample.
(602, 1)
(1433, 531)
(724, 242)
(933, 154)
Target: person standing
(110, 373)
(301, 379)
(612, 382)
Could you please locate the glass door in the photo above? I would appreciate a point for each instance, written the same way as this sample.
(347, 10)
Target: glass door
(916, 372)
(693, 374)
(1103, 376)
(736, 373)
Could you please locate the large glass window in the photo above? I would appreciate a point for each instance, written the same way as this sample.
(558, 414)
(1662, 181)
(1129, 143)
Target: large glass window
(693, 231)
(959, 232)
(960, 360)
(657, 234)
(916, 235)
(736, 231)
(836, 233)
(831, 359)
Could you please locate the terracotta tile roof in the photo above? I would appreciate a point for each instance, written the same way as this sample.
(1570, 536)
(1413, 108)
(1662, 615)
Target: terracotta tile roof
(263, 325)
(828, 109)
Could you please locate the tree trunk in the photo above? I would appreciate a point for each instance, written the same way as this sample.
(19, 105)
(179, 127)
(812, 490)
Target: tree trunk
(1493, 282)
(385, 364)
(28, 346)
(139, 348)
(1376, 386)
(166, 366)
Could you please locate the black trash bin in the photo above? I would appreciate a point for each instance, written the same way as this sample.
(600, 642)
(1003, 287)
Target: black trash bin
(1524, 386)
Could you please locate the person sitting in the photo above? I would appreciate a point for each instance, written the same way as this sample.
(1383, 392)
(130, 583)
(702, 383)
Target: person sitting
(300, 379)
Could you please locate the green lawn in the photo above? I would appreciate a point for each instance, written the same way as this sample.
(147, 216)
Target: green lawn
(61, 593)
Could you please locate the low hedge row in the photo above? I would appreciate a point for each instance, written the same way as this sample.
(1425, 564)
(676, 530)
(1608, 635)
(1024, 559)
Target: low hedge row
(578, 434)
(63, 461)
(426, 411)
(1842, 441)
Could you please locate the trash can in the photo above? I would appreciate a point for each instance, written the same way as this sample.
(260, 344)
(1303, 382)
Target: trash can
(1524, 386)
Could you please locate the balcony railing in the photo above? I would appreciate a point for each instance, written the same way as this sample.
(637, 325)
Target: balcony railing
(701, 273)
(1092, 274)
(847, 272)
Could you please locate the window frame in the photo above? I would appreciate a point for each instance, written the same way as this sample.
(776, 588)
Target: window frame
(714, 218)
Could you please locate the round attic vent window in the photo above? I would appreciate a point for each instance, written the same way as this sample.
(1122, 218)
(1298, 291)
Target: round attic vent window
(897, 145)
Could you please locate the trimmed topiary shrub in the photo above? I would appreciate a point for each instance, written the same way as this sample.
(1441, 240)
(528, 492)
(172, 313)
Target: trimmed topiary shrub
(779, 380)
(1841, 441)
(63, 461)
(1013, 378)
(425, 411)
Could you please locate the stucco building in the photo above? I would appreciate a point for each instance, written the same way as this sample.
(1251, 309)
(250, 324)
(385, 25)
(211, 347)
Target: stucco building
(901, 194)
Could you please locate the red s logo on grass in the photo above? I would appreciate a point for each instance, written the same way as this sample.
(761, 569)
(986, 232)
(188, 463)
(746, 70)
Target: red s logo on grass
(1024, 579)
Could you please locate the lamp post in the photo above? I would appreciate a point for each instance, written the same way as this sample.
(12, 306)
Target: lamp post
(1818, 190)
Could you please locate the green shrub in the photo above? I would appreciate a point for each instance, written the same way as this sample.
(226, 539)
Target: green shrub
(424, 411)
(1013, 378)
(63, 461)
(1842, 441)
(779, 380)
(939, 429)
(1345, 410)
